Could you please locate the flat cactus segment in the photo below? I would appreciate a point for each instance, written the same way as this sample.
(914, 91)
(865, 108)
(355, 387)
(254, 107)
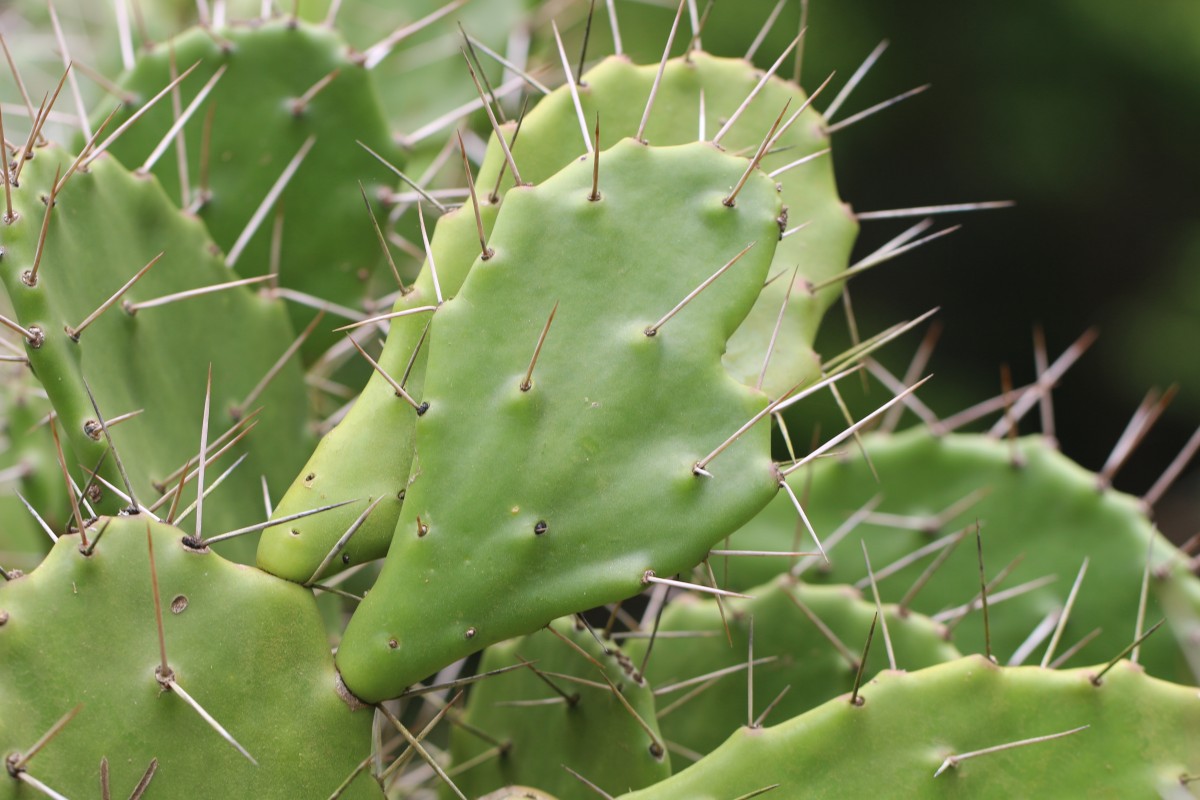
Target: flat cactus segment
(802, 657)
(1140, 739)
(349, 463)
(581, 725)
(106, 224)
(1046, 511)
(594, 485)
(80, 631)
(327, 248)
(616, 91)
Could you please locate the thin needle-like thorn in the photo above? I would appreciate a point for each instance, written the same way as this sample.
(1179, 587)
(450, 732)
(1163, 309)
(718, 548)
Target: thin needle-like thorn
(301, 102)
(731, 199)
(400, 391)
(574, 89)
(105, 791)
(133, 308)
(825, 631)
(474, 58)
(62, 463)
(421, 751)
(720, 134)
(138, 114)
(712, 579)
(1070, 652)
(508, 65)
(618, 49)
(750, 675)
(1028, 399)
(433, 274)
(1142, 598)
(527, 383)
(376, 53)
(24, 758)
(508, 157)
(1035, 638)
(1148, 412)
(269, 523)
(803, 517)
(849, 431)
(237, 411)
(887, 639)
(33, 338)
(1173, 471)
(761, 718)
(763, 31)
(38, 517)
(800, 49)
(798, 162)
(582, 779)
(855, 700)
(1096, 680)
(762, 373)
(164, 669)
(414, 184)
(387, 252)
(922, 211)
(12, 66)
(919, 583)
(848, 121)
(343, 540)
(86, 151)
(879, 257)
(915, 367)
(177, 127)
(74, 332)
(212, 722)
(203, 448)
(494, 197)
(855, 79)
(486, 252)
(983, 589)
(67, 62)
(595, 195)
(954, 760)
(9, 216)
(587, 34)
(29, 277)
(273, 194)
(662, 65)
(383, 317)
(656, 747)
(649, 577)
(1066, 614)
(702, 133)
(571, 698)
(652, 330)
(144, 783)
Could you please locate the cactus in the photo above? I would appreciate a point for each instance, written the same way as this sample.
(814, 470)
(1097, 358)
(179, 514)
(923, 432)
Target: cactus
(248, 648)
(580, 705)
(574, 403)
(920, 735)
(1037, 510)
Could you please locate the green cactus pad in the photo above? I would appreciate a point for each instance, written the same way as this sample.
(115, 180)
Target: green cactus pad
(805, 660)
(564, 496)
(27, 456)
(327, 249)
(106, 224)
(592, 732)
(348, 463)
(616, 90)
(250, 649)
(1140, 741)
(1048, 510)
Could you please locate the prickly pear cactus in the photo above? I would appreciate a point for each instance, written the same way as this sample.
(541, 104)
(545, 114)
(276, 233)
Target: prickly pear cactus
(810, 663)
(612, 90)
(106, 225)
(609, 410)
(291, 96)
(79, 632)
(1040, 514)
(563, 711)
(920, 735)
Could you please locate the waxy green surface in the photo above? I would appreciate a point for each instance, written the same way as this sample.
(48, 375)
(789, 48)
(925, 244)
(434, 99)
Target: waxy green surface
(107, 223)
(1046, 511)
(616, 91)
(805, 662)
(1141, 738)
(593, 732)
(600, 450)
(249, 648)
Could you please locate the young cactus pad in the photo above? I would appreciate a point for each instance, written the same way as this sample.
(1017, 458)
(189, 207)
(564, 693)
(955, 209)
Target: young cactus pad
(105, 226)
(612, 90)
(546, 721)
(817, 665)
(1040, 516)
(288, 90)
(80, 632)
(919, 735)
(539, 494)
